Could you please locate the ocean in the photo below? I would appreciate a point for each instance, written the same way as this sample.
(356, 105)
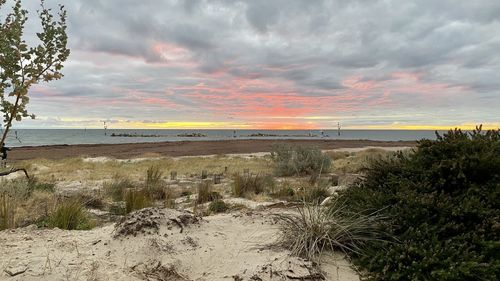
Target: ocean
(38, 137)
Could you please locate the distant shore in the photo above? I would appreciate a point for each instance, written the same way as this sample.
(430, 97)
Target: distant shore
(183, 148)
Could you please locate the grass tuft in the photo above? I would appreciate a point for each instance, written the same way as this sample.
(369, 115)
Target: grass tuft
(218, 206)
(247, 185)
(154, 185)
(205, 193)
(117, 187)
(7, 210)
(136, 199)
(315, 229)
(153, 177)
(70, 215)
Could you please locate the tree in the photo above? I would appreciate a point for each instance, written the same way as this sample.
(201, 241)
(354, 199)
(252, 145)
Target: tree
(22, 66)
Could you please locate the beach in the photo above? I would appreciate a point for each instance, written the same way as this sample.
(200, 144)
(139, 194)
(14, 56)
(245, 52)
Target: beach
(177, 235)
(184, 148)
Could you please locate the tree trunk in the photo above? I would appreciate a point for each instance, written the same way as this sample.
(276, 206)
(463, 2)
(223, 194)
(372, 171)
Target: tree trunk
(9, 122)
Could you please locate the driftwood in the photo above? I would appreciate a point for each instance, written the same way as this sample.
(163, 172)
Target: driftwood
(13, 170)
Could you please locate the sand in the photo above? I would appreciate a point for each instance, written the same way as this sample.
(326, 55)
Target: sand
(162, 244)
(184, 148)
(167, 244)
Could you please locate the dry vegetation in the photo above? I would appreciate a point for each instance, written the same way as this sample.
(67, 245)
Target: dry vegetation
(118, 187)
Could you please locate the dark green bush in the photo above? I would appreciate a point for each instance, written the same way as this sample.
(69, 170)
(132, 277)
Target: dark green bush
(299, 160)
(443, 206)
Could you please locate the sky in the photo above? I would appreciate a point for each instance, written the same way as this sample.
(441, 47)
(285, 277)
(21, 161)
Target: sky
(281, 64)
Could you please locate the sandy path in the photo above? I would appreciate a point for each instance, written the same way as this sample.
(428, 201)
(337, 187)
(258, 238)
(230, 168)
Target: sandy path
(184, 148)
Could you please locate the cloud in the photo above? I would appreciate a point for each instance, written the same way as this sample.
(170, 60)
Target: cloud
(253, 61)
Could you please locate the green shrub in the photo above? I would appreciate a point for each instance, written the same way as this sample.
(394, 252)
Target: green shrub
(117, 187)
(251, 184)
(70, 215)
(299, 160)
(444, 207)
(136, 199)
(218, 206)
(315, 229)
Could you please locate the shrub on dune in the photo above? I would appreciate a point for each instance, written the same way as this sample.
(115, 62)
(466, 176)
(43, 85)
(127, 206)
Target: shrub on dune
(299, 160)
(443, 206)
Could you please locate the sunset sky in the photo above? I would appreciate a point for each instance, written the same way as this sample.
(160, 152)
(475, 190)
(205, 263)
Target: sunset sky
(279, 64)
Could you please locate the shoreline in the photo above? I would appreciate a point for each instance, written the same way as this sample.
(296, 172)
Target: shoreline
(183, 148)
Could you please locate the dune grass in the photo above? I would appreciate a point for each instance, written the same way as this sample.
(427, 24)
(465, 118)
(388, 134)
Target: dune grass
(249, 185)
(70, 215)
(136, 199)
(314, 229)
(7, 211)
(218, 206)
(76, 169)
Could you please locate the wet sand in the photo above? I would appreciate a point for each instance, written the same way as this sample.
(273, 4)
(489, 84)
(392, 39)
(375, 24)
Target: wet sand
(183, 148)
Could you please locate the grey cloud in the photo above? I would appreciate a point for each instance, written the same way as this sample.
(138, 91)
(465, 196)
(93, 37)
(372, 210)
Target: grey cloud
(311, 45)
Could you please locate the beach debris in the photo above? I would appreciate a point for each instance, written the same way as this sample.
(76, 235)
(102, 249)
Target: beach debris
(150, 220)
(333, 190)
(326, 201)
(293, 268)
(154, 270)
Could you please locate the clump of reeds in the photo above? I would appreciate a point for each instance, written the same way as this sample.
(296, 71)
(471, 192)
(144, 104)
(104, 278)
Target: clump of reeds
(7, 210)
(153, 184)
(70, 214)
(117, 187)
(136, 199)
(244, 185)
(315, 229)
(206, 193)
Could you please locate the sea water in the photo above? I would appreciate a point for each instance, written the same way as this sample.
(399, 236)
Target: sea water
(38, 137)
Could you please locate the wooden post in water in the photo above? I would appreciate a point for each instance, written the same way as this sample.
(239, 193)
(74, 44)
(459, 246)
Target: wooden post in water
(204, 174)
(173, 175)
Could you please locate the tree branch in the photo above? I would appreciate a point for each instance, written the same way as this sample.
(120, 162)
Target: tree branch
(15, 170)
